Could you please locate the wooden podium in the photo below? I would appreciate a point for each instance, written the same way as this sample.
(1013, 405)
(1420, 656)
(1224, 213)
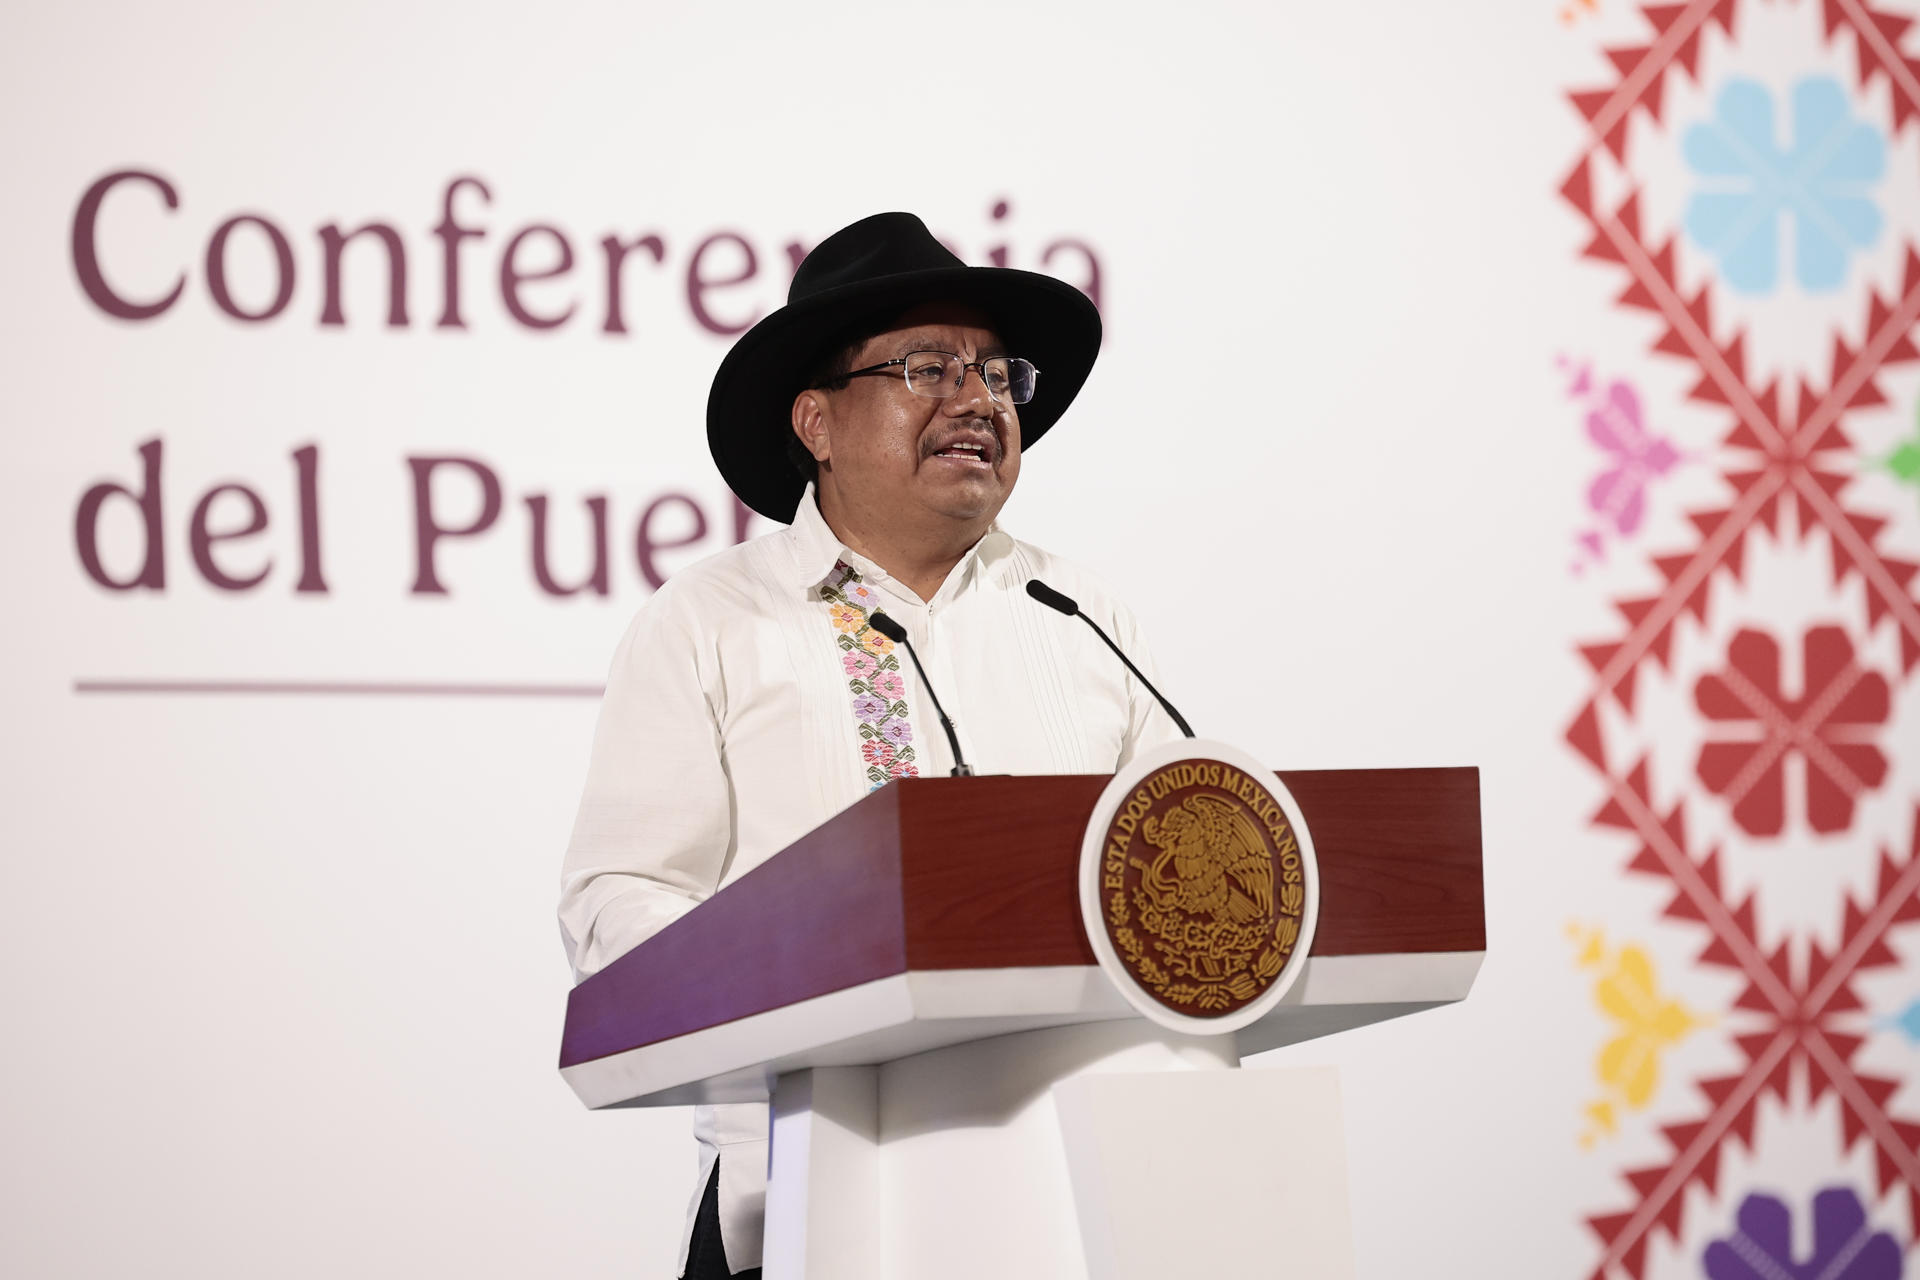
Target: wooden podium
(959, 1089)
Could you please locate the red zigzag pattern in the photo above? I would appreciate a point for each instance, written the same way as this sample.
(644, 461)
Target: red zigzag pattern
(1787, 454)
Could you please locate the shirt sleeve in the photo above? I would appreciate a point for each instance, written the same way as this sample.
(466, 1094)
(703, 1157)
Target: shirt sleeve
(654, 828)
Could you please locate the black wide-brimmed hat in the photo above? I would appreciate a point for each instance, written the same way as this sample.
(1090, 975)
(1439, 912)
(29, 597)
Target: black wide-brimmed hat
(881, 265)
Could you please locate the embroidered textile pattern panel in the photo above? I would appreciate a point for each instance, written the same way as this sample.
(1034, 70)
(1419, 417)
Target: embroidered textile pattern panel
(873, 679)
(1745, 178)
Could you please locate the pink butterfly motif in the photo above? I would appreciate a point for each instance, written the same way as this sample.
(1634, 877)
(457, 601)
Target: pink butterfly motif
(1618, 495)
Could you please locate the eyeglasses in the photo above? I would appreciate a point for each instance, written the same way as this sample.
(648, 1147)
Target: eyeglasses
(938, 375)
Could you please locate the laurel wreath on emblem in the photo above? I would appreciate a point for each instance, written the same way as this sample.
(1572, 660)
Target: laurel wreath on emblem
(1205, 904)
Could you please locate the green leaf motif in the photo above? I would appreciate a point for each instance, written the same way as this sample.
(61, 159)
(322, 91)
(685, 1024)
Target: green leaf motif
(1905, 462)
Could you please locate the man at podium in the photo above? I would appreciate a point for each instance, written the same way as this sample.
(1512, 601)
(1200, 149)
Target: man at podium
(882, 415)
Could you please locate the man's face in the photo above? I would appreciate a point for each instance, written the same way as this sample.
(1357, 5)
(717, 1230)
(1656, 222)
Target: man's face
(893, 455)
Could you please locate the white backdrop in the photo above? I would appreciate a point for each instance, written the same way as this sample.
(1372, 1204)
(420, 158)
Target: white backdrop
(282, 989)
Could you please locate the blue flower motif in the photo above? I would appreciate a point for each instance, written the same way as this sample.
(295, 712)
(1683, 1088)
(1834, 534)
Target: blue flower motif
(1748, 182)
(1845, 1244)
(1906, 1022)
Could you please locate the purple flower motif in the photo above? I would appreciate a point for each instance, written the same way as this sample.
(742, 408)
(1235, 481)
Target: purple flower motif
(859, 663)
(889, 685)
(870, 709)
(862, 596)
(1845, 1245)
(898, 732)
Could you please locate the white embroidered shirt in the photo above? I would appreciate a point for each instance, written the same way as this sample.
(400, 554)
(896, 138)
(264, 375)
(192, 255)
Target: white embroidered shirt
(749, 702)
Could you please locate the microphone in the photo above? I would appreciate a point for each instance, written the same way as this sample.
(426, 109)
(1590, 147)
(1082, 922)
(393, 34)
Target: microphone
(1047, 596)
(898, 634)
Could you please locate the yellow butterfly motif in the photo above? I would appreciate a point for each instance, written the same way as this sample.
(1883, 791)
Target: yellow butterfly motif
(1646, 1024)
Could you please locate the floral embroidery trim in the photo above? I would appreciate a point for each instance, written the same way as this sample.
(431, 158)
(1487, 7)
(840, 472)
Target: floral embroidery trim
(873, 678)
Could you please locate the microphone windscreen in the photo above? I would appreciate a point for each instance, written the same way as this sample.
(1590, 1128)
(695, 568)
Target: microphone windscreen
(1047, 596)
(887, 627)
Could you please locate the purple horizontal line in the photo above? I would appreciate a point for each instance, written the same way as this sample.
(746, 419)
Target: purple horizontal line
(354, 688)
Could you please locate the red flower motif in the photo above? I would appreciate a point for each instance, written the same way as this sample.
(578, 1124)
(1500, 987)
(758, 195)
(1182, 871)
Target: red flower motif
(877, 751)
(1756, 726)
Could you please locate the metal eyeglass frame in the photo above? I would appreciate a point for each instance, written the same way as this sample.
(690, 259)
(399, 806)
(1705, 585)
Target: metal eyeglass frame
(879, 370)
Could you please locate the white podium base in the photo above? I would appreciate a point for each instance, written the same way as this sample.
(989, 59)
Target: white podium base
(1108, 1150)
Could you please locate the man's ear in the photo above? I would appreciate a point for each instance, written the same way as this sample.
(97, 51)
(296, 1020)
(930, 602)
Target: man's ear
(810, 424)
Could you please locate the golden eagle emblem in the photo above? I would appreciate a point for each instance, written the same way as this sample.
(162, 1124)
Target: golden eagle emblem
(1206, 914)
(1220, 863)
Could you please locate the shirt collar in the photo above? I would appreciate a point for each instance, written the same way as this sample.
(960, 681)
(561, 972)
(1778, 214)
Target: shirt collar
(816, 548)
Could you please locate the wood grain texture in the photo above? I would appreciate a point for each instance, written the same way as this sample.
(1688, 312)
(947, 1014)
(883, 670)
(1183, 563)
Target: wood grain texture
(990, 870)
(979, 873)
(1399, 854)
(821, 916)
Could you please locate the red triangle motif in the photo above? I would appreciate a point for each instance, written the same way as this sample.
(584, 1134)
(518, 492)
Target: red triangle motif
(1663, 262)
(1583, 735)
(1650, 98)
(1682, 1136)
(1736, 557)
(1659, 646)
(1662, 16)
(1591, 102)
(1735, 354)
(1612, 814)
(1602, 247)
(1710, 872)
(1636, 611)
(1832, 438)
(1718, 1091)
(1598, 655)
(1865, 65)
(1868, 527)
(1628, 216)
(1578, 188)
(1625, 60)
(1699, 311)
(1707, 521)
(1688, 55)
(1706, 389)
(1609, 1226)
(1845, 1045)
(1637, 781)
(1636, 294)
(1891, 25)
(1878, 1089)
